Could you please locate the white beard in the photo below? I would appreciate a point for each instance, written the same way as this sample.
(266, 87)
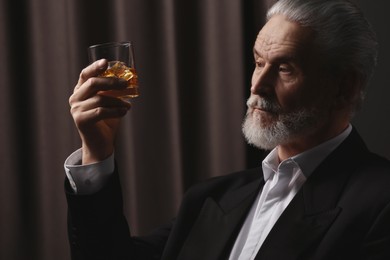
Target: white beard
(284, 129)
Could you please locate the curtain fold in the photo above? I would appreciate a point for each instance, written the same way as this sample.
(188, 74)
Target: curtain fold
(185, 126)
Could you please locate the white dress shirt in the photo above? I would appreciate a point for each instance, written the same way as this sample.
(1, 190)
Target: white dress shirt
(282, 182)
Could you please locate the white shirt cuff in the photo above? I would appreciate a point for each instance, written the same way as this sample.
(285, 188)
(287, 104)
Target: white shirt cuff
(89, 178)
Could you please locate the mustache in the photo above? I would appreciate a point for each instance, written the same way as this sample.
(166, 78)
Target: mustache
(263, 104)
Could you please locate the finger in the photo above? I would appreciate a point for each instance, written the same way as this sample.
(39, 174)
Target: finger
(96, 84)
(92, 70)
(101, 113)
(100, 101)
(92, 116)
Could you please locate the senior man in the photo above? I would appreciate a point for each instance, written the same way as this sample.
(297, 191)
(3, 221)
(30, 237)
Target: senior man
(319, 194)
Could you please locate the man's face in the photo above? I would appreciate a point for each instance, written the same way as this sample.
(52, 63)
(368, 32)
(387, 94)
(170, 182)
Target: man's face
(290, 94)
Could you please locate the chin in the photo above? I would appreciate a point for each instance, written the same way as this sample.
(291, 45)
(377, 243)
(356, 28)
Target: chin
(267, 133)
(260, 133)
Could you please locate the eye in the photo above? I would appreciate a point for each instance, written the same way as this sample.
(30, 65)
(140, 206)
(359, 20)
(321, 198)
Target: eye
(285, 69)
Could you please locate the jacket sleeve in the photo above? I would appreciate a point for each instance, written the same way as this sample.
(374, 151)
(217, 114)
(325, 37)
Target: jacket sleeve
(97, 227)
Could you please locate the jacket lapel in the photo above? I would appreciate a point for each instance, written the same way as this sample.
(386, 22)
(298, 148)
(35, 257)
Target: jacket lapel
(218, 223)
(296, 232)
(305, 221)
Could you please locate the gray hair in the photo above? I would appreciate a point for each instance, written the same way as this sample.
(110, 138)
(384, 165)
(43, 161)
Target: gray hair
(343, 35)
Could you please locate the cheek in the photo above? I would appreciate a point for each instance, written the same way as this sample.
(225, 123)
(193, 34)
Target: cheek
(322, 94)
(305, 93)
(291, 96)
(320, 88)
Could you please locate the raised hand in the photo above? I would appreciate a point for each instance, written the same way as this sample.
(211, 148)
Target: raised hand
(97, 116)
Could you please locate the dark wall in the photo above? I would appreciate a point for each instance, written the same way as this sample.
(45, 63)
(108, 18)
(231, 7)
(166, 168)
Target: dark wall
(373, 120)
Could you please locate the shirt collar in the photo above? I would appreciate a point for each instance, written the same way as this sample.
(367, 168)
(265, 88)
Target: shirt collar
(308, 160)
(270, 164)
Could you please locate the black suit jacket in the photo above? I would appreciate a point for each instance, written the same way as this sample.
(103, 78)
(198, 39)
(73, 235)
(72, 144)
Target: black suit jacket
(341, 212)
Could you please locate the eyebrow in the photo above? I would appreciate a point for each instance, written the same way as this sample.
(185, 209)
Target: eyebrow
(255, 53)
(281, 58)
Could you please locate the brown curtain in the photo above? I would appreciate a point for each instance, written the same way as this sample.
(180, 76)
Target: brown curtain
(194, 62)
(184, 127)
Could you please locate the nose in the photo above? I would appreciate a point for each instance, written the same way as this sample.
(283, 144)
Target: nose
(263, 80)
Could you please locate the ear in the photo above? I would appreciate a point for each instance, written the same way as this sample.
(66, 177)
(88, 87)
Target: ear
(349, 88)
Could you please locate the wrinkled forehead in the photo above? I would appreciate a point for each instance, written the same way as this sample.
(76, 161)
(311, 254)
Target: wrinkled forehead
(280, 34)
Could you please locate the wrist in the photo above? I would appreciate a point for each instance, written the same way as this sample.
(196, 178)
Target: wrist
(90, 156)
